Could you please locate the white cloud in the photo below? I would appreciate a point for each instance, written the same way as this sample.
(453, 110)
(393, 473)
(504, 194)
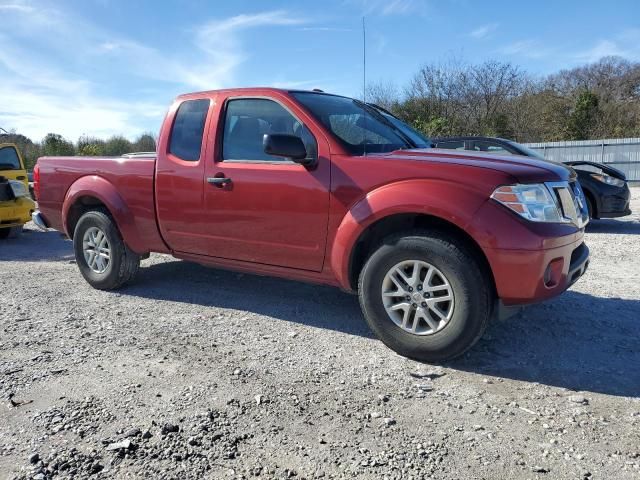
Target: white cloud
(221, 42)
(39, 113)
(324, 29)
(398, 7)
(483, 31)
(390, 7)
(526, 48)
(46, 88)
(626, 44)
(16, 7)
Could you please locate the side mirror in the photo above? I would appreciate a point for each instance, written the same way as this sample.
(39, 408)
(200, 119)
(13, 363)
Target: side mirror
(288, 146)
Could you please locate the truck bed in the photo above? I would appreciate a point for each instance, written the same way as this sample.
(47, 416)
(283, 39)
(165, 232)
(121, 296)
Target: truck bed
(129, 177)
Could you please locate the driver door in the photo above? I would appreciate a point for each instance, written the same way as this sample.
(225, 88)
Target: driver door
(271, 210)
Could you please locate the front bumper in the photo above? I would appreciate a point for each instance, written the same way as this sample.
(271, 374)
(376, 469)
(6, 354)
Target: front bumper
(531, 262)
(528, 276)
(615, 205)
(614, 201)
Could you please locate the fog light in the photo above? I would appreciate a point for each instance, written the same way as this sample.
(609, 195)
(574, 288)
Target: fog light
(553, 272)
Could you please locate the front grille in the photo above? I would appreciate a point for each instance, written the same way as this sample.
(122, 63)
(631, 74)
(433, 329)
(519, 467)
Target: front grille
(572, 201)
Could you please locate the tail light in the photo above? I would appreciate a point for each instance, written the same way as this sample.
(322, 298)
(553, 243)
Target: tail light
(36, 181)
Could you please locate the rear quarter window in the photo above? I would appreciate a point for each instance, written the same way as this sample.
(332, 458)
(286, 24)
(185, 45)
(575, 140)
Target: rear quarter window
(188, 128)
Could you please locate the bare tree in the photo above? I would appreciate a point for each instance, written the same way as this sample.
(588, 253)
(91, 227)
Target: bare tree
(384, 94)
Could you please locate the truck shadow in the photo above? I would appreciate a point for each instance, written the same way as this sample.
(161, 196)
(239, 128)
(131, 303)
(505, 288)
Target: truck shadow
(576, 341)
(36, 246)
(614, 226)
(313, 305)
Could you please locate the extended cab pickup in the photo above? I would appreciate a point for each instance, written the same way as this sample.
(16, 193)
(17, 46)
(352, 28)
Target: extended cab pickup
(327, 189)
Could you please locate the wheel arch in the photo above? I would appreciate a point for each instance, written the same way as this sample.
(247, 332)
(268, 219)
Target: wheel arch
(91, 192)
(403, 206)
(373, 236)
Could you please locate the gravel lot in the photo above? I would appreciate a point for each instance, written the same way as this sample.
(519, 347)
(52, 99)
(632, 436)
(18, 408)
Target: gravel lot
(200, 373)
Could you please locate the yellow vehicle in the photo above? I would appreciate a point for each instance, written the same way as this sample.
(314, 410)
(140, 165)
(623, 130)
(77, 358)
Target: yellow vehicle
(16, 204)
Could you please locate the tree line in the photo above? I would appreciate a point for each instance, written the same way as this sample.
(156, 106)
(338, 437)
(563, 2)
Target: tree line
(54, 144)
(492, 98)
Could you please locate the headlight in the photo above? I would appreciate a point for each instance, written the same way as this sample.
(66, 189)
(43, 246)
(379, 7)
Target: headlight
(608, 179)
(18, 188)
(533, 202)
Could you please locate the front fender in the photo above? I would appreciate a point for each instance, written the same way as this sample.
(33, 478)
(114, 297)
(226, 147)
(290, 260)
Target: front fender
(98, 187)
(453, 202)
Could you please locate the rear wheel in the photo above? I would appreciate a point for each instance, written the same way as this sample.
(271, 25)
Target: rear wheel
(102, 256)
(425, 296)
(11, 232)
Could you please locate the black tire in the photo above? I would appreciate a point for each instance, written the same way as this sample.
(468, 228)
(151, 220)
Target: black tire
(11, 232)
(590, 208)
(471, 285)
(123, 264)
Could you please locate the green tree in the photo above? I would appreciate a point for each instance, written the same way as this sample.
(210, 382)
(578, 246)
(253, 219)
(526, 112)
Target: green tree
(90, 146)
(56, 145)
(434, 127)
(145, 143)
(584, 116)
(117, 145)
(499, 126)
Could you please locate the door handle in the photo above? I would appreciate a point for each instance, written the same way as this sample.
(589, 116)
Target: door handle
(20, 177)
(219, 181)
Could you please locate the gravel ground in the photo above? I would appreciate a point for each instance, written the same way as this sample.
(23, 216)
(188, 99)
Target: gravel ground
(200, 373)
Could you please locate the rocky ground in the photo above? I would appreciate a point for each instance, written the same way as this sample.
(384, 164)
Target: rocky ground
(199, 373)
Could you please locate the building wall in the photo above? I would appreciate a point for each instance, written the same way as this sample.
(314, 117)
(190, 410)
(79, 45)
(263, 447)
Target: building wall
(620, 153)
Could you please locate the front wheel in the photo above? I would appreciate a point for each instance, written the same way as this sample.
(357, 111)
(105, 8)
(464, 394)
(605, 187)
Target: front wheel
(102, 256)
(425, 296)
(590, 208)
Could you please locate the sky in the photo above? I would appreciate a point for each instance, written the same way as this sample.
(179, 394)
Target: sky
(105, 67)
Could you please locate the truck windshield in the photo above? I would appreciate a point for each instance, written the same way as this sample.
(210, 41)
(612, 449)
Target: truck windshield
(416, 137)
(359, 127)
(9, 159)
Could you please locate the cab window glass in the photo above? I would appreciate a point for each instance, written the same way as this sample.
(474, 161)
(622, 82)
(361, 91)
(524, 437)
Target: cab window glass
(188, 127)
(451, 145)
(248, 120)
(9, 159)
(490, 148)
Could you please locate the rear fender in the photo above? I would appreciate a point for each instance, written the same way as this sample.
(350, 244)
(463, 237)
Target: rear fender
(442, 199)
(94, 186)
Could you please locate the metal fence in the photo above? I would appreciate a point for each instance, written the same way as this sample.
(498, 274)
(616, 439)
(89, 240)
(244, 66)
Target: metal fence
(620, 153)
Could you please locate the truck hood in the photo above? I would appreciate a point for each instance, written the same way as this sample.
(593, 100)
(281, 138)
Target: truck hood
(523, 169)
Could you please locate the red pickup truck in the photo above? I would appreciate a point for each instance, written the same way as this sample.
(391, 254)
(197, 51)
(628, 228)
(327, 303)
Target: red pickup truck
(328, 189)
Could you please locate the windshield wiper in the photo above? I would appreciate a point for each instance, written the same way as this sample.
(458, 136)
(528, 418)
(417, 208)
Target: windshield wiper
(408, 142)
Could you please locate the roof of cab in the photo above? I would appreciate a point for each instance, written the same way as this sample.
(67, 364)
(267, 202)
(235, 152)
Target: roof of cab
(250, 90)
